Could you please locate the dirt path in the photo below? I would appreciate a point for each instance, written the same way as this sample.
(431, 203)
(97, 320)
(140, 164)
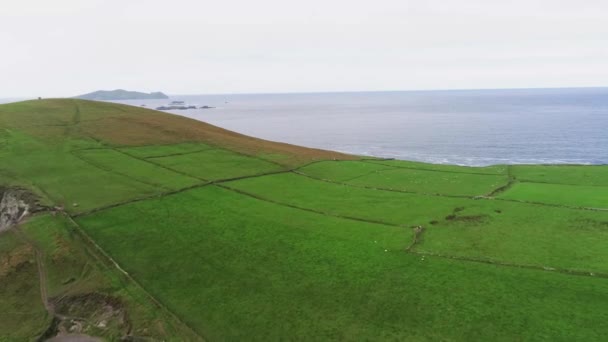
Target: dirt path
(42, 276)
(43, 281)
(72, 126)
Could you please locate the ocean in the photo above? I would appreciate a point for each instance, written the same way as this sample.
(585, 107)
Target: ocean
(464, 127)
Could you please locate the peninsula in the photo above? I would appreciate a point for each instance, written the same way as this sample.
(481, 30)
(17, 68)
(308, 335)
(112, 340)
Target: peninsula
(121, 94)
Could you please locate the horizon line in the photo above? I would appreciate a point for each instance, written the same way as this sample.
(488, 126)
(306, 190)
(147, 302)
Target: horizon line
(337, 91)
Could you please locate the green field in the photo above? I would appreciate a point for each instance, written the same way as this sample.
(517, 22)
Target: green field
(259, 263)
(587, 196)
(418, 180)
(80, 283)
(22, 314)
(484, 229)
(217, 164)
(152, 226)
(139, 170)
(491, 170)
(569, 174)
(159, 151)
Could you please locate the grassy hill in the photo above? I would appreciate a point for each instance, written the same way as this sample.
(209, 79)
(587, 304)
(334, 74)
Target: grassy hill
(157, 226)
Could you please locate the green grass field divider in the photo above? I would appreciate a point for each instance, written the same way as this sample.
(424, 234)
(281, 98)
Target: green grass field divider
(553, 183)
(106, 259)
(331, 160)
(158, 165)
(116, 149)
(269, 173)
(381, 189)
(172, 192)
(179, 154)
(215, 147)
(416, 238)
(99, 253)
(511, 181)
(241, 192)
(375, 161)
(108, 169)
(367, 174)
(250, 156)
(563, 206)
(448, 196)
(508, 264)
(139, 199)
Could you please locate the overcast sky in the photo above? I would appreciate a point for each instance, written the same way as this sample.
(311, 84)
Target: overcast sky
(69, 47)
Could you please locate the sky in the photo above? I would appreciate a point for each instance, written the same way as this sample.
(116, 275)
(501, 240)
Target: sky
(70, 47)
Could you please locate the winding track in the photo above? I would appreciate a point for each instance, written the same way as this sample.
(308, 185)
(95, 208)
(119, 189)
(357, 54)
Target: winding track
(42, 277)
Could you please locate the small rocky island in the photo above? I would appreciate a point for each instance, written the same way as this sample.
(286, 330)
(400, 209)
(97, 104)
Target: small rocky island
(180, 105)
(121, 94)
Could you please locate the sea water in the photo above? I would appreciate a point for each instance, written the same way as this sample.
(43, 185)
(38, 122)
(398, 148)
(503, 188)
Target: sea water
(466, 127)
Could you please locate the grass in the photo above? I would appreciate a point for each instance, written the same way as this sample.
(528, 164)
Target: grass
(155, 151)
(483, 229)
(85, 155)
(341, 200)
(216, 164)
(69, 181)
(231, 251)
(117, 125)
(430, 182)
(232, 264)
(139, 170)
(562, 174)
(328, 252)
(493, 170)
(516, 233)
(560, 194)
(74, 272)
(459, 184)
(420, 180)
(22, 315)
(342, 171)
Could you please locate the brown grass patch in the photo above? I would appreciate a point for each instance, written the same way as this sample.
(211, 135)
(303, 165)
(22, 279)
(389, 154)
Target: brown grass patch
(467, 218)
(122, 125)
(12, 260)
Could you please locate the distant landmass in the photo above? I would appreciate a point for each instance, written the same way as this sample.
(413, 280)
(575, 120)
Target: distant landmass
(121, 94)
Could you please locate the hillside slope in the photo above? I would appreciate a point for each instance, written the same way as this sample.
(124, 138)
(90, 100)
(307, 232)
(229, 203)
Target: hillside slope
(153, 226)
(54, 120)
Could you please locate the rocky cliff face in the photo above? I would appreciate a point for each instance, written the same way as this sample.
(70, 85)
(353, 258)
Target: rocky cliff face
(13, 207)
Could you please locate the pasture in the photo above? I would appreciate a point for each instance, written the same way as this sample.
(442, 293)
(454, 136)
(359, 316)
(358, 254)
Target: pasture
(190, 232)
